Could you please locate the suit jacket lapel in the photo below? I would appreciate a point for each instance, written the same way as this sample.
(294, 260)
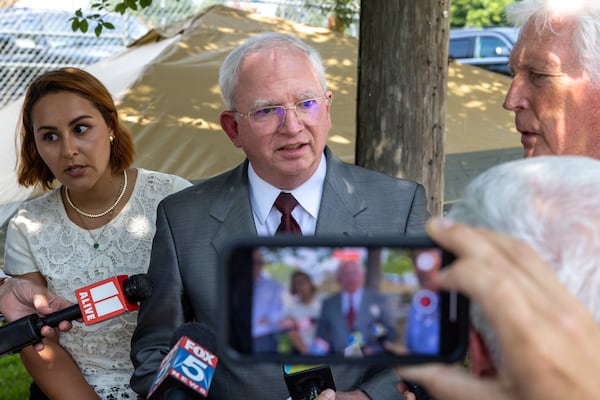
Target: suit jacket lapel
(341, 202)
(232, 208)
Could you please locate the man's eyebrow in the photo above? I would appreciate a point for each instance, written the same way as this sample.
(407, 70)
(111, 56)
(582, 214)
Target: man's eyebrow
(260, 103)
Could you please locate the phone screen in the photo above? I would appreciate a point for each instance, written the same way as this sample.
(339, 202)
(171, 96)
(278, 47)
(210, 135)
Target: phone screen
(293, 299)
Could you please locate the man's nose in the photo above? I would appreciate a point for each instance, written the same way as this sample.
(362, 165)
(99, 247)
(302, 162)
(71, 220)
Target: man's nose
(515, 98)
(291, 120)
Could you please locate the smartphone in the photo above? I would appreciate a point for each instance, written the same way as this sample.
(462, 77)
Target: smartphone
(328, 299)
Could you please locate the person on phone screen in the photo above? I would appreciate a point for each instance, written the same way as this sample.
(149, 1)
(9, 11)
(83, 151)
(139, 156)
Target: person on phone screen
(349, 317)
(302, 312)
(267, 307)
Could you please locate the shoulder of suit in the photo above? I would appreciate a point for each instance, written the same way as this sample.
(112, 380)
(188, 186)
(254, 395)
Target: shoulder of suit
(209, 187)
(376, 177)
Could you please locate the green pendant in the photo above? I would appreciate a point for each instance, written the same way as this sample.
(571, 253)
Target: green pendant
(96, 246)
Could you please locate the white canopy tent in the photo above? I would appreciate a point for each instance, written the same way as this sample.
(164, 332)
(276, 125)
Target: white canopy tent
(166, 88)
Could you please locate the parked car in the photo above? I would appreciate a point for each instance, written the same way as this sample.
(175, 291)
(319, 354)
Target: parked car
(33, 41)
(487, 48)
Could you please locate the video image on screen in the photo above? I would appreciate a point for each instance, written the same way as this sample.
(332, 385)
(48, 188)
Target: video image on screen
(349, 301)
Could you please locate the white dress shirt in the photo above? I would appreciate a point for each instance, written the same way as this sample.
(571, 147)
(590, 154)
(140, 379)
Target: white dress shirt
(262, 196)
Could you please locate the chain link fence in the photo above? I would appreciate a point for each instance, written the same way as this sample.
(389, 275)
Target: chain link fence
(33, 41)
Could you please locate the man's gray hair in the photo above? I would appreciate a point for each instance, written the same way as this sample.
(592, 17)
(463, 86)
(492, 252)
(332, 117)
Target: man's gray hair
(585, 16)
(553, 204)
(228, 74)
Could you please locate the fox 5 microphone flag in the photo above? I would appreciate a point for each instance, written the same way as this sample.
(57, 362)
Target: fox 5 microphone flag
(188, 363)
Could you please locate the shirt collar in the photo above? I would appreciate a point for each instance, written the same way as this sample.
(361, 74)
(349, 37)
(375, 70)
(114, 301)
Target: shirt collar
(263, 194)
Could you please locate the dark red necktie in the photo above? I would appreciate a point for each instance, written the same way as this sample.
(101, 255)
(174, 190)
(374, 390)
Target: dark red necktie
(285, 203)
(350, 316)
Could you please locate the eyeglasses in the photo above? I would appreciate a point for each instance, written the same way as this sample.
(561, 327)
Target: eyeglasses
(272, 117)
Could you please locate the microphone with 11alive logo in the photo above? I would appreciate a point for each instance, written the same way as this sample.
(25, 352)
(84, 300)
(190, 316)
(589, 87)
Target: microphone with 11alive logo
(96, 303)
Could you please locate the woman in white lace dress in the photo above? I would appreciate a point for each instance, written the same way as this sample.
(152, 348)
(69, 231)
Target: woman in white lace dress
(97, 222)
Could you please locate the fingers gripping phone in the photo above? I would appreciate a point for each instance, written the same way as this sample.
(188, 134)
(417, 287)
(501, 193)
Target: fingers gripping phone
(315, 300)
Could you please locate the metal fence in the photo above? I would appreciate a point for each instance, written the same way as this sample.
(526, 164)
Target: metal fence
(33, 41)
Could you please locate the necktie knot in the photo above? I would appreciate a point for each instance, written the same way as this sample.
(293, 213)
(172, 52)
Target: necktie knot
(285, 203)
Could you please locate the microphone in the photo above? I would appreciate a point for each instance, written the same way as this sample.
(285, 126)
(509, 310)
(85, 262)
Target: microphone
(319, 347)
(355, 345)
(188, 369)
(305, 382)
(379, 332)
(96, 303)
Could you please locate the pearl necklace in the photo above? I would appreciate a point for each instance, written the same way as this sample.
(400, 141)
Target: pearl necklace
(110, 209)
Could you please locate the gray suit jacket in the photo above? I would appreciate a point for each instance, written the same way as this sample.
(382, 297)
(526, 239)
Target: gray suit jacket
(333, 326)
(194, 224)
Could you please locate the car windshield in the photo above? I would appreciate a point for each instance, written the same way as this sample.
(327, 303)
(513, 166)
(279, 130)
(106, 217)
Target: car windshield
(511, 33)
(53, 29)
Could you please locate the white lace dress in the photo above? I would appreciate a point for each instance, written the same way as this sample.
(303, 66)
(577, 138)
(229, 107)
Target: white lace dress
(42, 238)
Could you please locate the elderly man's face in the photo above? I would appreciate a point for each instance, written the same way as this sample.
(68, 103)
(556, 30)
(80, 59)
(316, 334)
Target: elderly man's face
(557, 109)
(285, 154)
(351, 276)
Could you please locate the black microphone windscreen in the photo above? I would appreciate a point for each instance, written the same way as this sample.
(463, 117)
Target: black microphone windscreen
(198, 332)
(137, 288)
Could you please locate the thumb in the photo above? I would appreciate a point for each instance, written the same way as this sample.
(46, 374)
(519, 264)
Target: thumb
(326, 394)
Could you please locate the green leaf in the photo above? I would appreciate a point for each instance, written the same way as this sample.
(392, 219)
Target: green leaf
(98, 30)
(108, 25)
(74, 24)
(133, 6)
(121, 8)
(83, 25)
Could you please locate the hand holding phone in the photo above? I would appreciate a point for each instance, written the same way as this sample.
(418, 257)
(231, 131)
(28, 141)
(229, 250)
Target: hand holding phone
(340, 299)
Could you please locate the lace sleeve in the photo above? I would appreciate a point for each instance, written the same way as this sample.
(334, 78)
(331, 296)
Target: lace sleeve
(17, 254)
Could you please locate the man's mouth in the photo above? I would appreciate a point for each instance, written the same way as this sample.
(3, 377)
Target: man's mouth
(292, 146)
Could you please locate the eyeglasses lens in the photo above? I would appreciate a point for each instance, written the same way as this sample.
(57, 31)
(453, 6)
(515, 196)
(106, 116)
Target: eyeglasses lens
(273, 117)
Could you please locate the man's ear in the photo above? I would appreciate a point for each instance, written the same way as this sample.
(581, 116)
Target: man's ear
(481, 362)
(230, 126)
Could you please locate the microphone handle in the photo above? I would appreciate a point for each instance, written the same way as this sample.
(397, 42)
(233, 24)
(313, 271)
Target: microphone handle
(66, 314)
(177, 393)
(312, 393)
(20, 334)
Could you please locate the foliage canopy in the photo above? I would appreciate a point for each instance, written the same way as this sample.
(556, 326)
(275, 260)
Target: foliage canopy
(478, 13)
(343, 13)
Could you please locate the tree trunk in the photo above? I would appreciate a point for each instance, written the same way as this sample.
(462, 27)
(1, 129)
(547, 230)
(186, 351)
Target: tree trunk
(373, 274)
(403, 70)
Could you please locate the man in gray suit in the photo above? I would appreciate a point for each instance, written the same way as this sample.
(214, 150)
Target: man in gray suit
(351, 319)
(278, 112)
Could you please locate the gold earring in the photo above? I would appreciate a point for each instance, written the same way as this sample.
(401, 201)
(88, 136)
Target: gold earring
(111, 139)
